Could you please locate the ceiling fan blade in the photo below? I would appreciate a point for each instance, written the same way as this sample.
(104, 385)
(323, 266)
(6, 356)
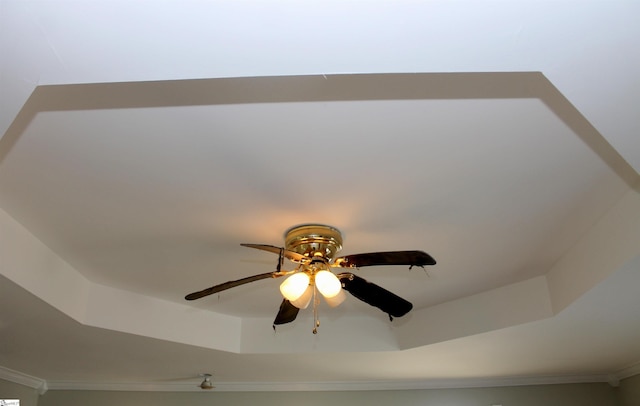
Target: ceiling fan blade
(286, 314)
(374, 295)
(412, 258)
(293, 256)
(231, 284)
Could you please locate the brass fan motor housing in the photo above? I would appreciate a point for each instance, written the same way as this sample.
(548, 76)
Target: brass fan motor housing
(314, 240)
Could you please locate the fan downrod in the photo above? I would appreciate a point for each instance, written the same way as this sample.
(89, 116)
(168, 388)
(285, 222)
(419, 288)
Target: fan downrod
(314, 240)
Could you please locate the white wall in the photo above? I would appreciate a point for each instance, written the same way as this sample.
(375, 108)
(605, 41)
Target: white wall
(597, 394)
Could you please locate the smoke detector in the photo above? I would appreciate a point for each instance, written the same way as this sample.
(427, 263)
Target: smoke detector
(206, 383)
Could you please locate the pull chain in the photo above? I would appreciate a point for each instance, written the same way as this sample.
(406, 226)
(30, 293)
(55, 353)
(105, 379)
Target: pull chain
(316, 302)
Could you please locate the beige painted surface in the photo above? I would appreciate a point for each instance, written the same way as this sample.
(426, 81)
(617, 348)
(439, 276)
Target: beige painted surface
(548, 395)
(498, 189)
(629, 391)
(10, 390)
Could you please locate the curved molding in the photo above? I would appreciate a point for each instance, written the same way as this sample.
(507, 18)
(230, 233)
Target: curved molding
(23, 379)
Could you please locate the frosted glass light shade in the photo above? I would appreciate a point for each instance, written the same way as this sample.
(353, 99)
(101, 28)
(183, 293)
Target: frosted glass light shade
(303, 301)
(328, 284)
(295, 286)
(336, 300)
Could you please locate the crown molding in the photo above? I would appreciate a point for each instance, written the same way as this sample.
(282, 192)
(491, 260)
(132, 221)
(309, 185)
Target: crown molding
(43, 386)
(628, 372)
(23, 379)
(329, 386)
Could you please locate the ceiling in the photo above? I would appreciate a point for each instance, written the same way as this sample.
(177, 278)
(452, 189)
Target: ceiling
(134, 161)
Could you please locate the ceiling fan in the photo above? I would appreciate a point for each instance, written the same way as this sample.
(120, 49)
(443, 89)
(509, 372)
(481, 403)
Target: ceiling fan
(313, 248)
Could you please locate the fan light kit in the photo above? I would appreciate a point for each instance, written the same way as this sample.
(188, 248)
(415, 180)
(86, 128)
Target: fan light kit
(312, 247)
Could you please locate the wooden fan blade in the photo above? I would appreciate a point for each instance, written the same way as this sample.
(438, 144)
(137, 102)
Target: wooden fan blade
(286, 314)
(293, 256)
(231, 284)
(412, 258)
(374, 295)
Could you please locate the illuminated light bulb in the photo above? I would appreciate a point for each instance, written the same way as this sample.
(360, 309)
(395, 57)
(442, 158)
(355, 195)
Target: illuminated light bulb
(296, 288)
(303, 301)
(328, 284)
